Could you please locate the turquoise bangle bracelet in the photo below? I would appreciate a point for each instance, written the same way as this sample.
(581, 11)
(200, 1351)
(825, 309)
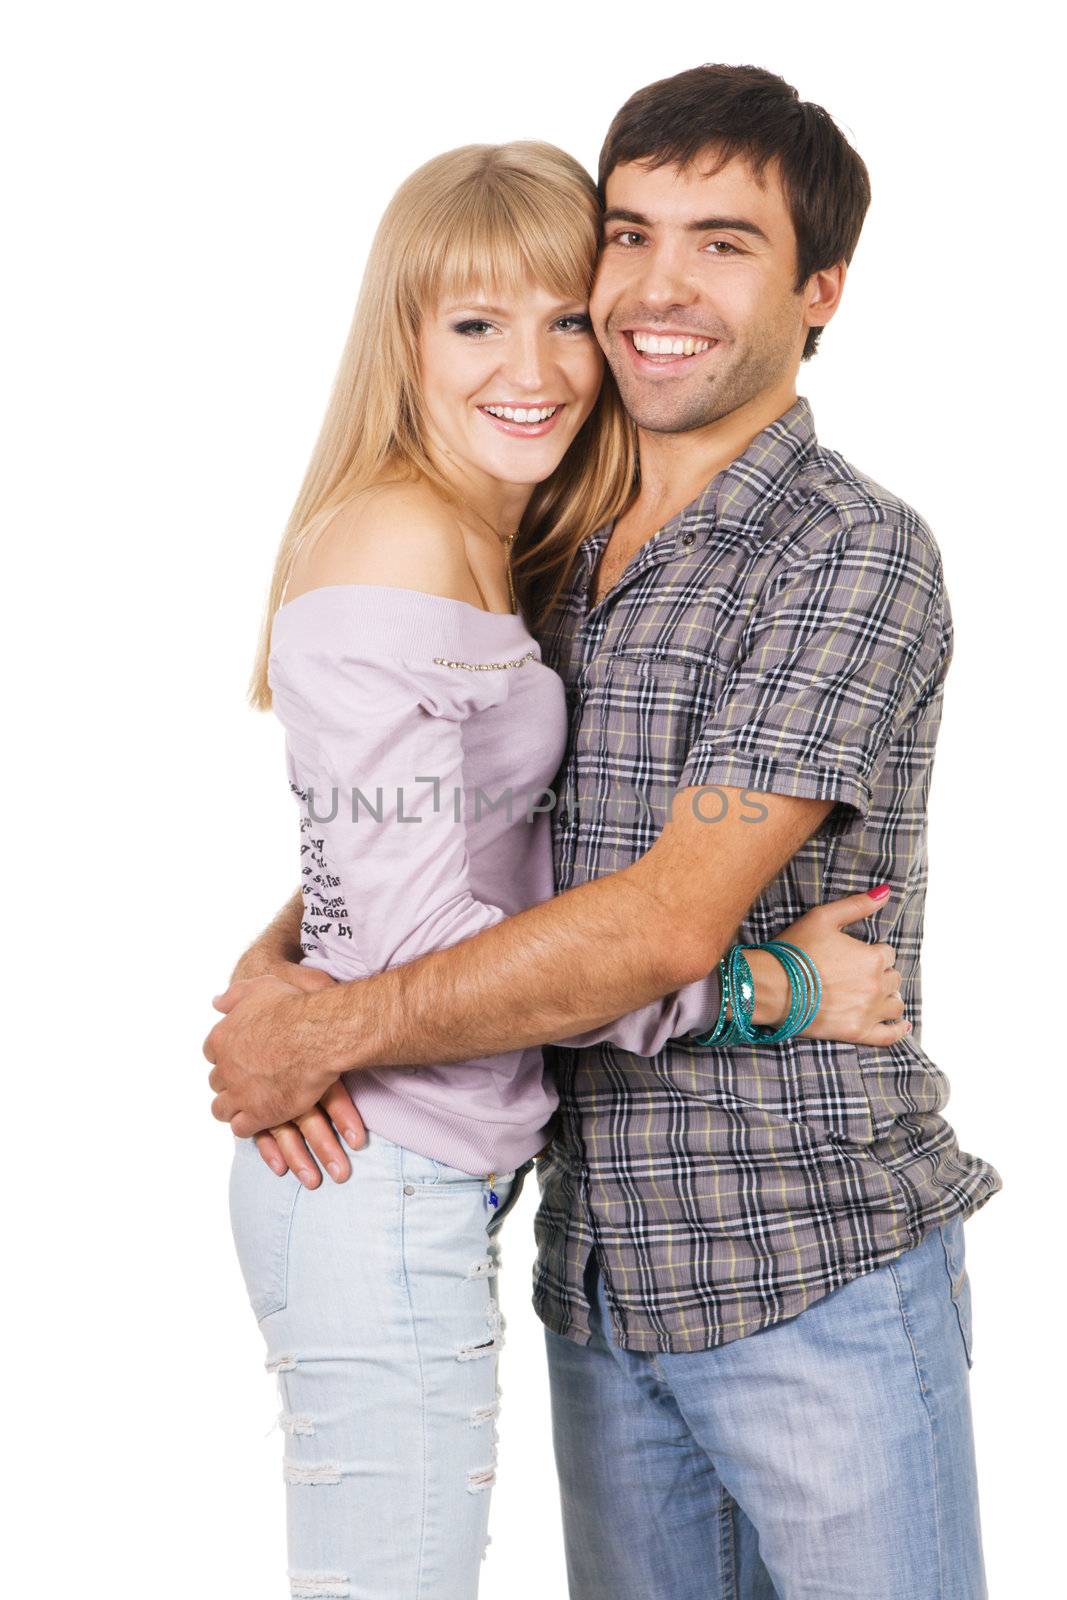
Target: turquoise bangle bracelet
(738, 996)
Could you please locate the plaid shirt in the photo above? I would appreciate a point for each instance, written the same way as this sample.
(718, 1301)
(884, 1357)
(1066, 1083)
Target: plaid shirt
(788, 632)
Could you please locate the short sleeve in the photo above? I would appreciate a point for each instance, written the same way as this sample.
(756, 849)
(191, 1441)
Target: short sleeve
(377, 741)
(838, 651)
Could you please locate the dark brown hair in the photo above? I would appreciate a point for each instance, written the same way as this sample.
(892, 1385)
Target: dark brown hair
(746, 111)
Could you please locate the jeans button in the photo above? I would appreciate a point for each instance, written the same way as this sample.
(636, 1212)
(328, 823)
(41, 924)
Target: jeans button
(409, 1188)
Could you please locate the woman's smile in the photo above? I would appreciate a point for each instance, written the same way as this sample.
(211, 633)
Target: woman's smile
(523, 421)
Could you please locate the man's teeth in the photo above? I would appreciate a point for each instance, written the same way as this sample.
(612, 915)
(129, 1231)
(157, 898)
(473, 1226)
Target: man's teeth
(652, 344)
(522, 413)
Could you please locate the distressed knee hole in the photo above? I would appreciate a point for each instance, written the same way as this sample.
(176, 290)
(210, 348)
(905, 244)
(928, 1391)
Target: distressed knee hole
(483, 1478)
(495, 1321)
(482, 1414)
(476, 1352)
(484, 1269)
(319, 1472)
(294, 1422)
(333, 1585)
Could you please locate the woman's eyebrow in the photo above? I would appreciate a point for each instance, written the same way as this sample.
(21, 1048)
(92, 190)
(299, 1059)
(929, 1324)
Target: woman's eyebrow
(473, 305)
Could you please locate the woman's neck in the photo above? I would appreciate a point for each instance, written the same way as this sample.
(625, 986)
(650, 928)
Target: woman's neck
(488, 501)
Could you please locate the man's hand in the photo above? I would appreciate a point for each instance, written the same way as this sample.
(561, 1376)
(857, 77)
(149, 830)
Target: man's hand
(293, 1146)
(267, 1056)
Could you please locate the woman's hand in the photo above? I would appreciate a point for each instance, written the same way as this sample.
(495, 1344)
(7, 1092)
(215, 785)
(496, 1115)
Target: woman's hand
(293, 1146)
(861, 1001)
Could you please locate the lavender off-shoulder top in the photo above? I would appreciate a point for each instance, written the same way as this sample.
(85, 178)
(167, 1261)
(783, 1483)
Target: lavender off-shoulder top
(422, 734)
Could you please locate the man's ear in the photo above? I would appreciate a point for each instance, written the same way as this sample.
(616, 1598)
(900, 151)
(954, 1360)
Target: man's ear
(822, 294)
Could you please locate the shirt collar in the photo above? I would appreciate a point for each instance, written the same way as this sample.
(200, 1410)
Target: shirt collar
(739, 496)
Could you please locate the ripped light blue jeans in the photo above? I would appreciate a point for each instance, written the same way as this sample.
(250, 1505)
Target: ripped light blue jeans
(377, 1301)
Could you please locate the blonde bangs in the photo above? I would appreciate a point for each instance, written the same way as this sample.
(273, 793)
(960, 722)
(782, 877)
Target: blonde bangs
(501, 231)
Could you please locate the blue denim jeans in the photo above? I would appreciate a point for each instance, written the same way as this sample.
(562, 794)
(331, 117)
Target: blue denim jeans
(377, 1301)
(829, 1457)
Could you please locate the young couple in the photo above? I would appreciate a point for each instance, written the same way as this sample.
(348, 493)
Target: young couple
(589, 674)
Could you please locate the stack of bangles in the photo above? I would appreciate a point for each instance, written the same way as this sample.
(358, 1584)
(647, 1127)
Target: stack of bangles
(735, 1025)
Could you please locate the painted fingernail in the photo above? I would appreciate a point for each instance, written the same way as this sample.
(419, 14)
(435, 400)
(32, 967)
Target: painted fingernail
(879, 893)
(907, 1027)
(334, 1169)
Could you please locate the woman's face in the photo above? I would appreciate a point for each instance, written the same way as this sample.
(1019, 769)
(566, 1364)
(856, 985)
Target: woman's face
(507, 385)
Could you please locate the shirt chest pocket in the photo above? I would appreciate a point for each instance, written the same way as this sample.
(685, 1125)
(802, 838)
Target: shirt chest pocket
(635, 714)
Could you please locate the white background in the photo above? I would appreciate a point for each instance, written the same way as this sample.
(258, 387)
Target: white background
(192, 190)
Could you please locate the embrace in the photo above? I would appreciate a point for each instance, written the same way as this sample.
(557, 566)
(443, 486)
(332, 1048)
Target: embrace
(610, 700)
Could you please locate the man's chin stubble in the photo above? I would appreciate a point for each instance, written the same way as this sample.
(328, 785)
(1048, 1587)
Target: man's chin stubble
(662, 414)
(725, 392)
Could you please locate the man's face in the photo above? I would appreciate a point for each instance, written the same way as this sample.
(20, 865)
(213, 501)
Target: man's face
(693, 301)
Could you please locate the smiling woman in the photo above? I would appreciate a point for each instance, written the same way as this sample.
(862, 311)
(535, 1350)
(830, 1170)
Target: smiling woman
(469, 414)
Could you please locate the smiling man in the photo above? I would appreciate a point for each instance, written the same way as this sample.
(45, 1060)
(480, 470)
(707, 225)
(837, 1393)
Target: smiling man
(751, 1265)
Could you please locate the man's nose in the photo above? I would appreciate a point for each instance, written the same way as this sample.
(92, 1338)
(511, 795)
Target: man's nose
(666, 280)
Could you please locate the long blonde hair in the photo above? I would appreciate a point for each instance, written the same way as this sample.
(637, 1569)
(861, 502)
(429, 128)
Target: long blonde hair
(485, 216)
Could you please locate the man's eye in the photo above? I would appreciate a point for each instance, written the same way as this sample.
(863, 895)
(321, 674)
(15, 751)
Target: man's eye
(626, 237)
(473, 327)
(577, 322)
(723, 247)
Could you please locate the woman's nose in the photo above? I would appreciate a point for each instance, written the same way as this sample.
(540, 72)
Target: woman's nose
(528, 365)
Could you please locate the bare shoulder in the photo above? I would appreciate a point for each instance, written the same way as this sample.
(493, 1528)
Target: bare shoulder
(398, 534)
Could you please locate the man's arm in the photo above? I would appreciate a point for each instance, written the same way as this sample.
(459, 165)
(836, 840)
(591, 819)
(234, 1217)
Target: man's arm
(832, 661)
(577, 961)
(278, 946)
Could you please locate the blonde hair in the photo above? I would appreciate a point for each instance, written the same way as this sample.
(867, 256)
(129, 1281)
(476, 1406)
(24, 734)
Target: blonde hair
(486, 217)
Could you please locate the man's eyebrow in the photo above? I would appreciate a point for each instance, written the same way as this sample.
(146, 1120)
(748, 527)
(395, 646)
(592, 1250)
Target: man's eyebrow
(705, 225)
(617, 214)
(734, 224)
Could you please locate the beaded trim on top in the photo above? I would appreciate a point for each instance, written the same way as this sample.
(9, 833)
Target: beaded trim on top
(485, 666)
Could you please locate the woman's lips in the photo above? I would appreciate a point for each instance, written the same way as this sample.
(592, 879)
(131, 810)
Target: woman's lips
(523, 430)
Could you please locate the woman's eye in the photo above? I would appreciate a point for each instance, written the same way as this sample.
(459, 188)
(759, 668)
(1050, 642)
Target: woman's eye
(473, 327)
(577, 322)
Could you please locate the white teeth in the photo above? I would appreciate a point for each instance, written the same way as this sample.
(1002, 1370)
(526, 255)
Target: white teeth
(652, 344)
(527, 414)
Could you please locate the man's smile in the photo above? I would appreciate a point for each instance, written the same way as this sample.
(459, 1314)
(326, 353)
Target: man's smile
(667, 349)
